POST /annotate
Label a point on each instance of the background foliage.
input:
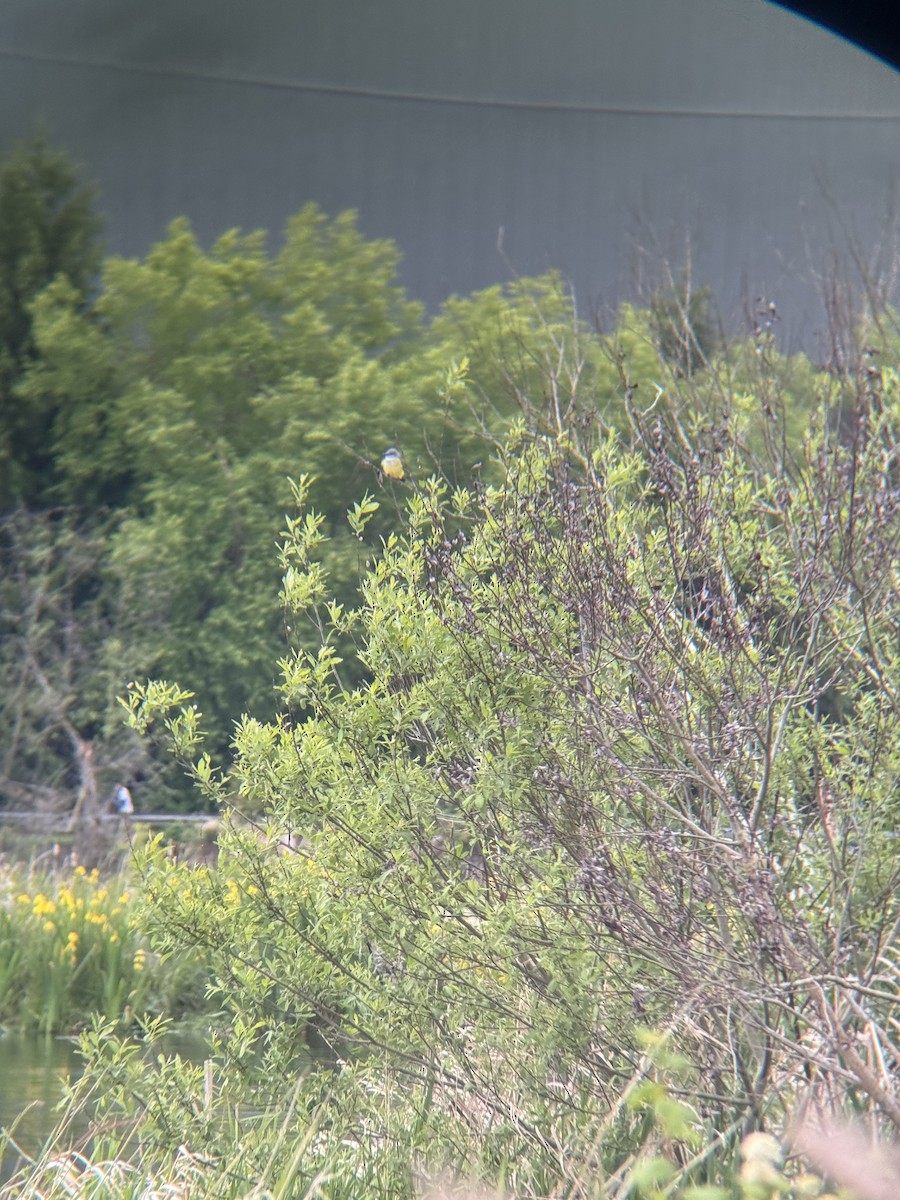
(157, 412)
(567, 831)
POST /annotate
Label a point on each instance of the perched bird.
(123, 802)
(392, 464)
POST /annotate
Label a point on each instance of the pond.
(33, 1071)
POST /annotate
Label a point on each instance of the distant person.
(123, 802)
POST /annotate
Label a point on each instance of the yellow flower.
(49, 927)
(79, 870)
(139, 959)
(23, 899)
(123, 899)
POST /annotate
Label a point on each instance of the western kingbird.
(392, 464)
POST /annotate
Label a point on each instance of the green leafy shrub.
(626, 760)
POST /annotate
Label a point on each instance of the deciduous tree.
(48, 229)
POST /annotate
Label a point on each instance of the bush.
(626, 760)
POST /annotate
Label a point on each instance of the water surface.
(33, 1072)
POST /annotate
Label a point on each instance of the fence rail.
(138, 818)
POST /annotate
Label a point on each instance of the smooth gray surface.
(585, 128)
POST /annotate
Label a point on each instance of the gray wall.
(587, 129)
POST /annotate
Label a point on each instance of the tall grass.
(302, 1164)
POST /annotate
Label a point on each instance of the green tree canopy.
(175, 406)
(199, 382)
(48, 229)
